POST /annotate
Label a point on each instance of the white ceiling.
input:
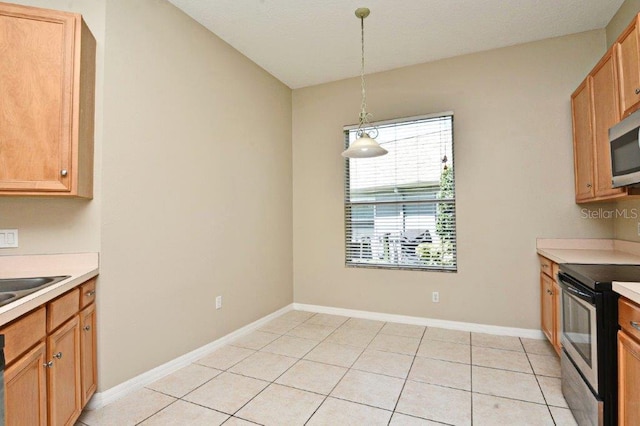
(307, 42)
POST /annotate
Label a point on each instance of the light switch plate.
(8, 238)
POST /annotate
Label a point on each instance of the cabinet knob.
(58, 355)
(589, 185)
(638, 91)
(63, 172)
(550, 292)
(48, 364)
(635, 325)
(90, 293)
(86, 328)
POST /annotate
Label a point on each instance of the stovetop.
(600, 277)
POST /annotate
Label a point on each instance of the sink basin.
(18, 284)
(6, 298)
(12, 289)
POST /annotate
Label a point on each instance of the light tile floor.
(316, 369)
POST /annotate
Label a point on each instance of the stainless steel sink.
(12, 289)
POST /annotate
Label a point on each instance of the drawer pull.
(545, 266)
(637, 91)
(635, 325)
(48, 364)
(91, 293)
(549, 292)
(58, 355)
(86, 328)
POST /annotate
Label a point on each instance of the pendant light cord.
(363, 113)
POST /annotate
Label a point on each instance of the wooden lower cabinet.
(550, 302)
(63, 374)
(88, 349)
(26, 389)
(546, 306)
(628, 363)
(50, 377)
(628, 380)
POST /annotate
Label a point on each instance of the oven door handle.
(580, 294)
(572, 286)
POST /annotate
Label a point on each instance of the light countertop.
(590, 256)
(80, 267)
(603, 251)
(577, 250)
(629, 290)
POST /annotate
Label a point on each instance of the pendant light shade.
(364, 146)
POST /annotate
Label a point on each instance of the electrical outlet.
(435, 297)
(8, 238)
(218, 302)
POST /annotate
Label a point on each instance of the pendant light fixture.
(365, 145)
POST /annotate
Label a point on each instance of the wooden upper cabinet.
(47, 82)
(606, 113)
(629, 68)
(583, 141)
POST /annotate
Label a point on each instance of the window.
(400, 208)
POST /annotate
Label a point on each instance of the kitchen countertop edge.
(80, 268)
(629, 290)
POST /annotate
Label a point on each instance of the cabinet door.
(557, 318)
(26, 390)
(546, 306)
(583, 141)
(628, 380)
(36, 74)
(63, 348)
(88, 352)
(47, 82)
(605, 114)
(629, 69)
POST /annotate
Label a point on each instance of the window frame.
(348, 205)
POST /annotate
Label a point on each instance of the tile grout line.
(162, 409)
(471, 373)
(345, 373)
(407, 378)
(544, 397)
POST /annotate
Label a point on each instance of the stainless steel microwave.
(625, 151)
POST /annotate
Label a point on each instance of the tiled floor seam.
(166, 406)
(395, 406)
(345, 373)
(471, 376)
(544, 397)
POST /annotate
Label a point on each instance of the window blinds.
(400, 208)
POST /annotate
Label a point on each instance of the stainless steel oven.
(579, 330)
(589, 360)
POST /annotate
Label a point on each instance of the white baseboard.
(100, 399)
(428, 322)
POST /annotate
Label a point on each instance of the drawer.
(546, 266)
(629, 317)
(63, 308)
(87, 293)
(22, 334)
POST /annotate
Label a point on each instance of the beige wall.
(49, 225)
(514, 180)
(621, 19)
(196, 190)
(193, 195)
